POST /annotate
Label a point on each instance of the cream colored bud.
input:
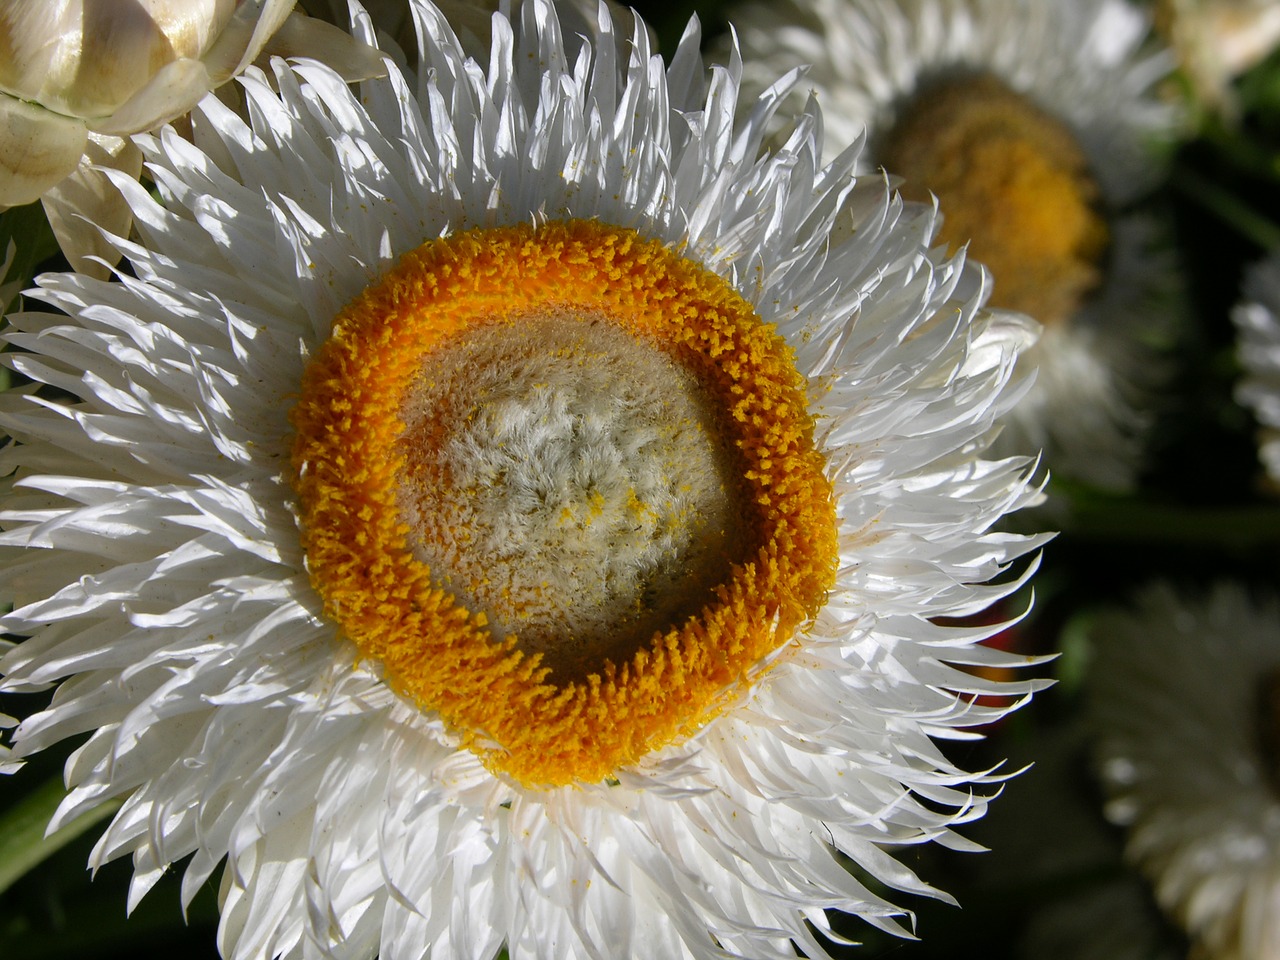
(77, 74)
(114, 67)
(1217, 40)
(86, 59)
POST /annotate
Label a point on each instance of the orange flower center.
(560, 483)
(1013, 183)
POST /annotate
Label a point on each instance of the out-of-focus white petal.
(1184, 710)
(86, 58)
(1217, 40)
(117, 68)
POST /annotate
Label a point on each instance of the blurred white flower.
(78, 77)
(1037, 126)
(1257, 320)
(1184, 711)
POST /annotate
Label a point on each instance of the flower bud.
(78, 77)
(1217, 40)
(111, 67)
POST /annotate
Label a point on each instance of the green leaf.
(1072, 665)
(23, 844)
(1099, 516)
(28, 228)
(1232, 209)
(1259, 90)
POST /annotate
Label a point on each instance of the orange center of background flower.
(561, 484)
(1013, 183)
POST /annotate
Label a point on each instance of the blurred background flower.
(1257, 318)
(1040, 130)
(1184, 714)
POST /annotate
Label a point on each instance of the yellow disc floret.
(1011, 181)
(561, 484)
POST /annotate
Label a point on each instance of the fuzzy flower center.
(571, 482)
(559, 485)
(1013, 182)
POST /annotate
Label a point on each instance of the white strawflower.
(1185, 712)
(1037, 126)
(511, 506)
(1257, 320)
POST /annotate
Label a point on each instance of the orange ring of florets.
(500, 701)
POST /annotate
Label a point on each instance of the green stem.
(1227, 207)
(29, 228)
(1136, 521)
(23, 844)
